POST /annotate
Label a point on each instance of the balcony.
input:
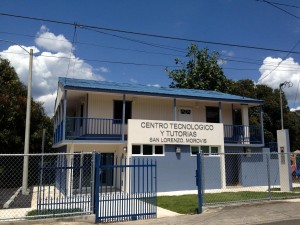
(81, 128)
(240, 134)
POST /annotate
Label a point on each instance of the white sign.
(175, 132)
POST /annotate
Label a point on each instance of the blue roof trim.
(95, 85)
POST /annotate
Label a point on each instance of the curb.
(12, 198)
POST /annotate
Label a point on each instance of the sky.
(62, 49)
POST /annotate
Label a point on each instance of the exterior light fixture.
(125, 149)
(178, 150)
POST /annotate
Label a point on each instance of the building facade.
(168, 124)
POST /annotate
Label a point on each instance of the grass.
(188, 204)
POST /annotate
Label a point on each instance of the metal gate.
(125, 188)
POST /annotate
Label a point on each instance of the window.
(136, 149)
(205, 150)
(118, 111)
(185, 111)
(158, 150)
(148, 150)
(194, 150)
(212, 115)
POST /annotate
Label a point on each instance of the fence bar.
(199, 183)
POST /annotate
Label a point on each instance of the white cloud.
(228, 53)
(103, 69)
(275, 71)
(133, 81)
(153, 85)
(47, 67)
(51, 42)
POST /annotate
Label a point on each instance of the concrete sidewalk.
(275, 212)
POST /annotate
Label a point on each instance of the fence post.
(199, 183)
(269, 176)
(96, 187)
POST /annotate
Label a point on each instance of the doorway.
(232, 166)
(107, 169)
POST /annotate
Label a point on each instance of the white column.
(70, 149)
(284, 160)
(222, 166)
(245, 121)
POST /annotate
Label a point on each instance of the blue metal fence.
(126, 188)
(64, 184)
(114, 189)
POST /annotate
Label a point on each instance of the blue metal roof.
(126, 88)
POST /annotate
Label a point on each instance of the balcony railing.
(82, 128)
(93, 128)
(240, 134)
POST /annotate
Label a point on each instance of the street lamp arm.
(3, 40)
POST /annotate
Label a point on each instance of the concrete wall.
(153, 108)
(252, 168)
(176, 172)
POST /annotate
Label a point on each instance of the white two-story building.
(171, 125)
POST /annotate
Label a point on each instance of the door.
(107, 169)
(232, 166)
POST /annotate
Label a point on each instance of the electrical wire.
(279, 63)
(102, 61)
(73, 39)
(102, 46)
(281, 9)
(148, 34)
(282, 4)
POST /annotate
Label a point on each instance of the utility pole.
(27, 128)
(283, 85)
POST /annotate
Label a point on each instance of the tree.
(13, 98)
(271, 111)
(202, 71)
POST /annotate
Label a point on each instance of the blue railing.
(240, 134)
(126, 188)
(93, 128)
(273, 149)
(64, 188)
(83, 128)
(58, 133)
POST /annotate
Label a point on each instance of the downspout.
(64, 116)
(220, 113)
(174, 110)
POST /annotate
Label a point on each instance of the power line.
(279, 62)
(282, 4)
(281, 9)
(142, 64)
(225, 57)
(102, 61)
(139, 41)
(149, 35)
(101, 46)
